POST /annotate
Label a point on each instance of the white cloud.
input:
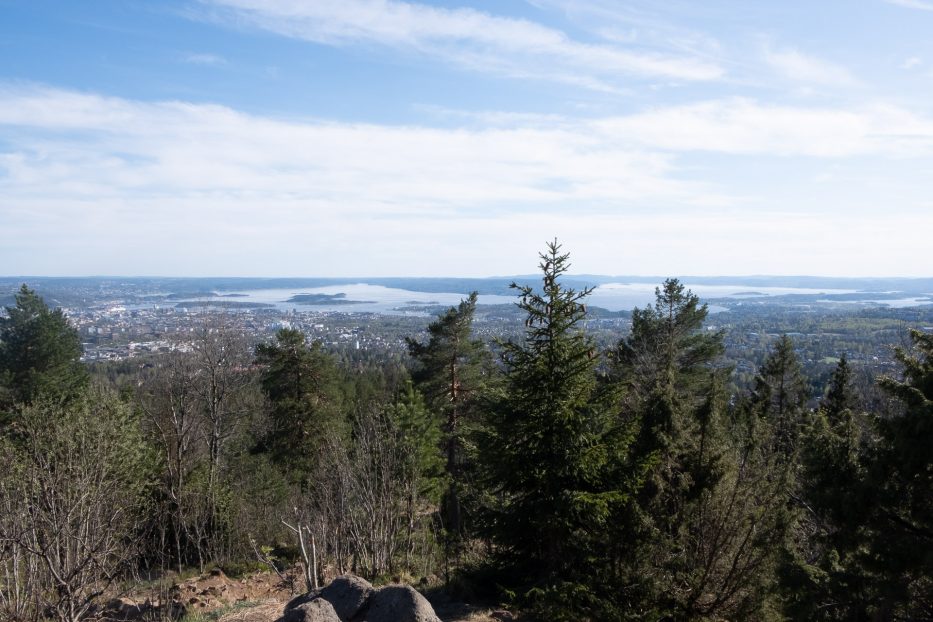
(910, 63)
(921, 5)
(799, 67)
(85, 144)
(467, 37)
(87, 181)
(744, 126)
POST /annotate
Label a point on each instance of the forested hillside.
(570, 482)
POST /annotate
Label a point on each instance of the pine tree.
(39, 353)
(451, 371)
(549, 452)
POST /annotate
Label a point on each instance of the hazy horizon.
(532, 275)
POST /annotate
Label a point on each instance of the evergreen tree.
(39, 353)
(299, 381)
(696, 543)
(781, 394)
(822, 580)
(900, 480)
(451, 371)
(667, 349)
(840, 396)
(664, 369)
(549, 454)
(422, 468)
(868, 488)
(420, 437)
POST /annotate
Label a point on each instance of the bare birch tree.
(81, 479)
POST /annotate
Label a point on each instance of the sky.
(389, 138)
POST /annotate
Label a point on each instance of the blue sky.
(368, 138)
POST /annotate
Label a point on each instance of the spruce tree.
(870, 486)
(664, 369)
(781, 395)
(900, 480)
(422, 467)
(840, 397)
(828, 582)
(39, 353)
(667, 348)
(549, 453)
(699, 538)
(299, 381)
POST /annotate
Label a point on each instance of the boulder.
(400, 603)
(300, 600)
(317, 610)
(349, 595)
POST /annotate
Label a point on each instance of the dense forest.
(573, 482)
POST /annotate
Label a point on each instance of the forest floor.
(259, 597)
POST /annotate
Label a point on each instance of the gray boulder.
(400, 603)
(349, 595)
(302, 599)
(317, 610)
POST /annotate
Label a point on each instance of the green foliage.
(262, 493)
(419, 437)
(698, 540)
(868, 485)
(299, 381)
(647, 485)
(667, 348)
(781, 394)
(549, 448)
(840, 396)
(39, 353)
(900, 477)
(452, 370)
(78, 500)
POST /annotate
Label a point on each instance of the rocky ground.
(260, 597)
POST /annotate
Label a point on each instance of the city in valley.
(140, 318)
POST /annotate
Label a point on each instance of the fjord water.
(368, 298)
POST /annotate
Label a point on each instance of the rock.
(400, 603)
(349, 595)
(300, 600)
(317, 610)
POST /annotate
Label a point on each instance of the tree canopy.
(40, 353)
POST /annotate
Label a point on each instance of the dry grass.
(266, 611)
(271, 610)
(476, 616)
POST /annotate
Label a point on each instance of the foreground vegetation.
(577, 483)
